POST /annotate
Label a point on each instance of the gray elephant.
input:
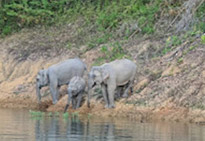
(111, 76)
(76, 89)
(57, 75)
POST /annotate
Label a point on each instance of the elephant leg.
(129, 87)
(54, 92)
(132, 84)
(126, 89)
(57, 93)
(119, 91)
(111, 91)
(57, 96)
(73, 102)
(79, 100)
(104, 92)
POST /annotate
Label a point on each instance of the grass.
(111, 52)
(65, 115)
(192, 48)
(171, 43)
(57, 114)
(89, 115)
(75, 117)
(75, 114)
(203, 39)
(43, 114)
(180, 60)
(36, 113)
(199, 105)
(50, 114)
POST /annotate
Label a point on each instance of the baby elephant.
(76, 88)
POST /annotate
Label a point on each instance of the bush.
(201, 17)
(17, 14)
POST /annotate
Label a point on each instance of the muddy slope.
(168, 86)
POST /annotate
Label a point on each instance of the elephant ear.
(46, 77)
(105, 74)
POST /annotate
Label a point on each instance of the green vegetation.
(75, 117)
(171, 43)
(203, 39)
(200, 13)
(65, 115)
(89, 115)
(43, 114)
(36, 113)
(199, 105)
(110, 53)
(56, 114)
(140, 102)
(75, 114)
(192, 48)
(106, 15)
(50, 114)
(180, 60)
(99, 40)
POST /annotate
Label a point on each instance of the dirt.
(168, 87)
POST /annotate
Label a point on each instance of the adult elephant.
(110, 76)
(57, 75)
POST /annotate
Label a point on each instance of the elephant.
(58, 75)
(112, 77)
(76, 89)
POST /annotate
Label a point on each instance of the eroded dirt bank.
(168, 86)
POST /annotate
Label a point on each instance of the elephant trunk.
(88, 102)
(69, 99)
(91, 84)
(38, 93)
(66, 107)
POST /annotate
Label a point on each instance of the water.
(19, 125)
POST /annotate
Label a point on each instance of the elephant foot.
(54, 102)
(117, 96)
(125, 95)
(106, 106)
(88, 105)
(112, 106)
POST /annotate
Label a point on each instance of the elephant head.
(73, 92)
(41, 81)
(97, 75)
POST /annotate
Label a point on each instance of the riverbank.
(122, 110)
(170, 83)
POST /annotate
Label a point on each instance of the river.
(21, 125)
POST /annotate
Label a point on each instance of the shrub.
(17, 14)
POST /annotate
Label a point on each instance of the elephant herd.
(114, 77)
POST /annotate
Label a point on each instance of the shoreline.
(136, 113)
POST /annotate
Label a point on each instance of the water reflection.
(54, 128)
(18, 125)
(111, 130)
